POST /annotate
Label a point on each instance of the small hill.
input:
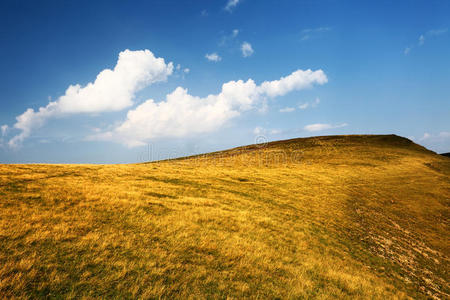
(360, 216)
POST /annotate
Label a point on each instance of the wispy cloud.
(423, 37)
(435, 32)
(421, 40)
(287, 109)
(264, 131)
(213, 57)
(226, 38)
(301, 106)
(439, 142)
(181, 71)
(4, 129)
(309, 104)
(246, 49)
(322, 126)
(440, 136)
(308, 33)
(231, 4)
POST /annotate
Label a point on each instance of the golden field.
(325, 217)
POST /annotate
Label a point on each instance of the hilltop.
(360, 216)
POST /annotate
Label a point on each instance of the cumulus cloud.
(182, 114)
(231, 4)
(297, 80)
(112, 90)
(213, 57)
(321, 126)
(186, 70)
(246, 49)
(287, 109)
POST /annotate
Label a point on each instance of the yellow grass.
(346, 217)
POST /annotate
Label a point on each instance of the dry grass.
(330, 217)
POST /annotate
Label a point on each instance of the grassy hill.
(323, 217)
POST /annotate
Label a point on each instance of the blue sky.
(376, 67)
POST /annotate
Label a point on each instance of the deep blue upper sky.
(387, 65)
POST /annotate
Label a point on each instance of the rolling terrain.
(363, 216)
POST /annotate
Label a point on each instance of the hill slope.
(338, 216)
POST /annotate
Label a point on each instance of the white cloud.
(263, 131)
(444, 134)
(426, 136)
(434, 32)
(4, 129)
(304, 105)
(226, 38)
(287, 109)
(423, 37)
(275, 131)
(435, 137)
(297, 80)
(178, 67)
(213, 57)
(421, 40)
(246, 49)
(259, 130)
(439, 142)
(320, 127)
(186, 70)
(182, 114)
(307, 33)
(231, 4)
(309, 104)
(112, 90)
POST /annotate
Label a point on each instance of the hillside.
(364, 216)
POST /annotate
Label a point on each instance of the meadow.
(364, 216)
